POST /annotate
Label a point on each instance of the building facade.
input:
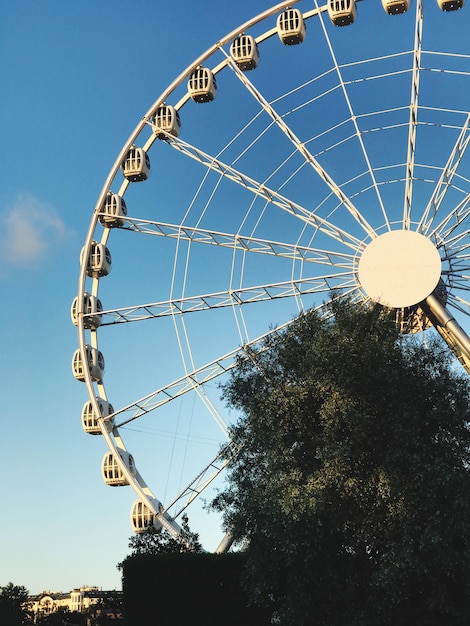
(78, 600)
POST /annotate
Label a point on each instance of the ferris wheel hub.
(399, 268)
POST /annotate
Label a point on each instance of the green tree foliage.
(62, 616)
(13, 605)
(108, 610)
(352, 486)
(157, 540)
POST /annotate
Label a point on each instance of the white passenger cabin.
(450, 5)
(142, 517)
(291, 27)
(202, 85)
(394, 7)
(90, 421)
(136, 165)
(112, 472)
(166, 119)
(342, 12)
(95, 362)
(113, 212)
(244, 51)
(99, 260)
(92, 309)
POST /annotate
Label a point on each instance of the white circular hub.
(400, 268)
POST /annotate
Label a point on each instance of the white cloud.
(29, 229)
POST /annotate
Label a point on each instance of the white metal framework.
(340, 164)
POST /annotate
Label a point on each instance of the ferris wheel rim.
(137, 482)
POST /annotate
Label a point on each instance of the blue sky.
(76, 78)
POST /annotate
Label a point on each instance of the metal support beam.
(449, 329)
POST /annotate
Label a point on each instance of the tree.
(61, 616)
(351, 486)
(107, 610)
(157, 540)
(13, 605)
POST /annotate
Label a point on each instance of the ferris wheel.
(315, 149)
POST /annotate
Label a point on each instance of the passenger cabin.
(394, 7)
(112, 472)
(142, 517)
(166, 119)
(136, 165)
(450, 5)
(342, 12)
(99, 260)
(92, 309)
(244, 52)
(113, 212)
(90, 421)
(202, 85)
(95, 363)
(291, 27)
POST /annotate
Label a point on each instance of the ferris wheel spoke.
(194, 489)
(446, 178)
(354, 120)
(229, 298)
(413, 119)
(243, 243)
(459, 257)
(261, 190)
(208, 372)
(460, 282)
(455, 240)
(458, 279)
(459, 303)
(303, 150)
(452, 222)
(186, 383)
